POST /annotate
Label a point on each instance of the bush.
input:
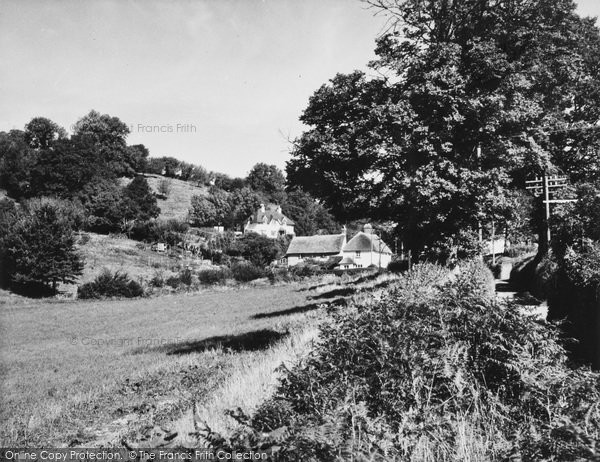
(109, 284)
(173, 282)
(280, 274)
(433, 370)
(475, 279)
(398, 266)
(214, 276)
(186, 277)
(246, 272)
(157, 280)
(305, 270)
(258, 250)
(170, 231)
(164, 187)
(574, 296)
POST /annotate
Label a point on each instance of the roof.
(319, 244)
(363, 242)
(346, 261)
(272, 212)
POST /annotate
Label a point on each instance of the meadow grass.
(69, 368)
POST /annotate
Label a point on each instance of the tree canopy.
(37, 246)
(268, 180)
(471, 97)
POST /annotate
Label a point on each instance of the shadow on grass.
(341, 301)
(30, 290)
(367, 278)
(316, 286)
(360, 280)
(248, 341)
(344, 291)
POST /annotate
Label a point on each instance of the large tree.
(63, 169)
(310, 217)
(37, 246)
(16, 161)
(109, 134)
(267, 180)
(210, 210)
(41, 133)
(473, 96)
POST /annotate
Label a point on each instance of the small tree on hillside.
(104, 205)
(37, 247)
(164, 187)
(142, 203)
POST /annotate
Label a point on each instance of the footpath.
(530, 305)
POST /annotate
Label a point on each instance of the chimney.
(262, 208)
(279, 209)
(368, 229)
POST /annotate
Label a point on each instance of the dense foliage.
(433, 369)
(470, 98)
(257, 249)
(37, 245)
(109, 284)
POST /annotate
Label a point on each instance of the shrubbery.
(574, 296)
(214, 276)
(108, 284)
(257, 249)
(433, 370)
(398, 266)
(246, 272)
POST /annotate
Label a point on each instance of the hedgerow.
(435, 369)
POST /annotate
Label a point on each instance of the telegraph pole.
(548, 186)
(547, 204)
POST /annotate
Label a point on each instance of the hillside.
(179, 199)
(126, 255)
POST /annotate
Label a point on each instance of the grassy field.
(89, 373)
(70, 369)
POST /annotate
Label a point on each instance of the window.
(358, 254)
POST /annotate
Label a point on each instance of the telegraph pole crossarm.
(546, 186)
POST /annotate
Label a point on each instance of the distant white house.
(318, 247)
(365, 249)
(270, 222)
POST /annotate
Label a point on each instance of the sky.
(218, 83)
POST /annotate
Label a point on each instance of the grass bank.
(432, 369)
